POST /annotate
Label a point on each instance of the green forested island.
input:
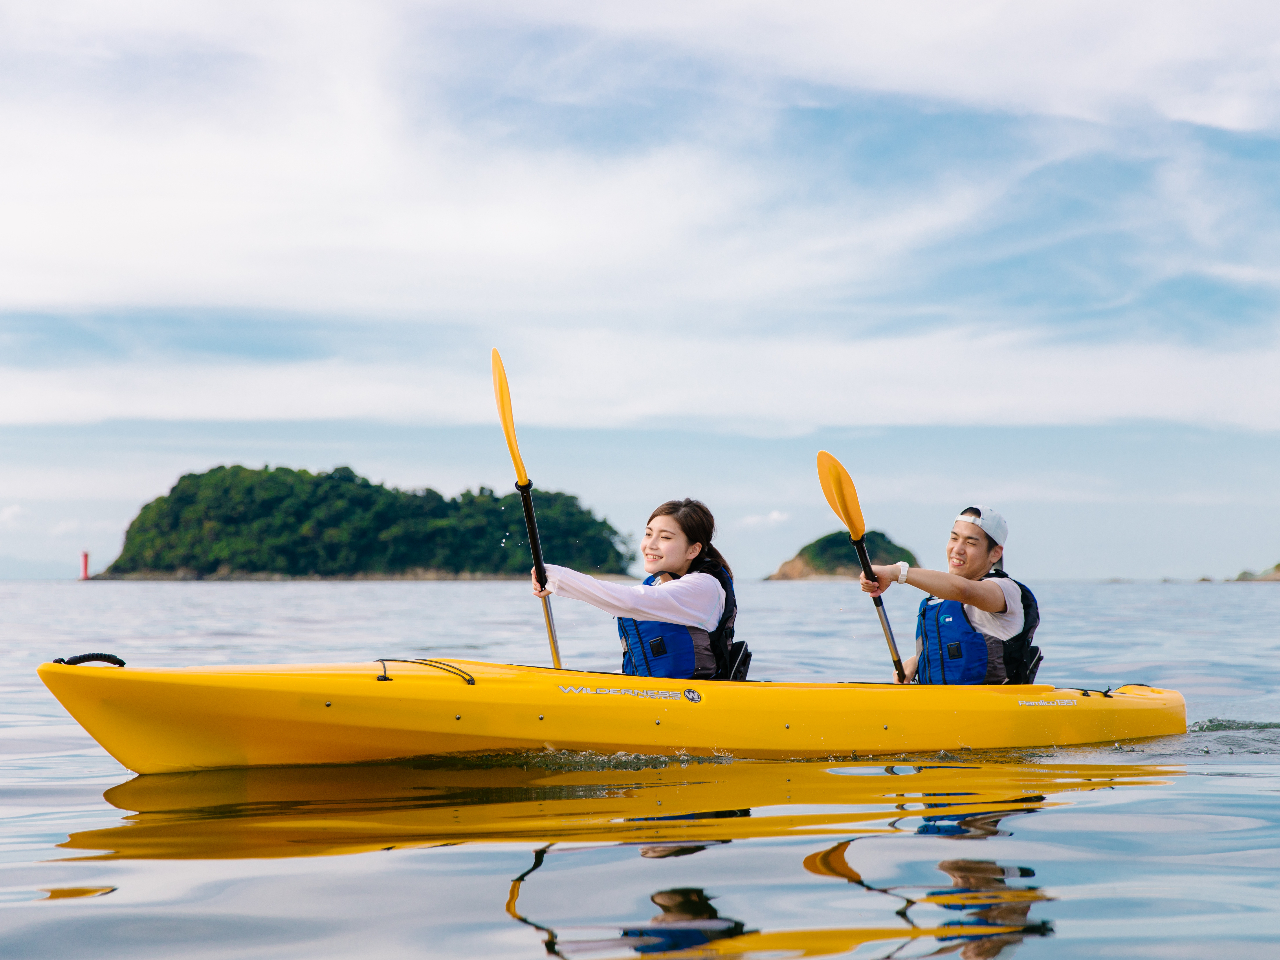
(834, 556)
(235, 521)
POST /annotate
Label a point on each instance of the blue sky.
(992, 253)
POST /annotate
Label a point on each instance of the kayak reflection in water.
(679, 622)
(976, 624)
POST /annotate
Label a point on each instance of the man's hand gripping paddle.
(525, 486)
(843, 498)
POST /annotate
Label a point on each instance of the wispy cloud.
(770, 519)
(1078, 58)
(550, 163)
(767, 384)
(285, 213)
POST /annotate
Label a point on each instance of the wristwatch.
(903, 567)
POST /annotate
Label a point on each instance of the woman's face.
(665, 548)
(967, 553)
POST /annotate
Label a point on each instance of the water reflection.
(995, 914)
(662, 811)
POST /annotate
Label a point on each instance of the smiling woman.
(679, 623)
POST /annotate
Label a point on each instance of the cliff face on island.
(234, 522)
(834, 556)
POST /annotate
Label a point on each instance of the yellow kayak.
(172, 720)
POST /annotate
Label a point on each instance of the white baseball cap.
(992, 523)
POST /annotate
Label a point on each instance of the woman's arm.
(983, 594)
(695, 600)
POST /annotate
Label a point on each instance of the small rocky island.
(1273, 574)
(234, 522)
(835, 556)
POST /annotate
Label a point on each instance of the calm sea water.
(1166, 848)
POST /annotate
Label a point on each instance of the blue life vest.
(951, 651)
(655, 648)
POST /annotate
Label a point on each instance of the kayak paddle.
(843, 498)
(525, 486)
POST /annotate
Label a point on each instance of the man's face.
(967, 554)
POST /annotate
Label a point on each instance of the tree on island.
(834, 555)
(234, 520)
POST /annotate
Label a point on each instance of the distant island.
(1272, 574)
(234, 522)
(835, 556)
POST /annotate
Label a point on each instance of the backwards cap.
(991, 523)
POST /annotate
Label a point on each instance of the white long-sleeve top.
(695, 600)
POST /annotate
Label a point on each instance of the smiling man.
(977, 624)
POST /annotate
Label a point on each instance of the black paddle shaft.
(865, 560)
(531, 524)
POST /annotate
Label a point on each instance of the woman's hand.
(537, 589)
(883, 577)
(909, 669)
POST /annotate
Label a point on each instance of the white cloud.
(297, 158)
(301, 158)
(764, 384)
(770, 519)
(9, 516)
(1213, 64)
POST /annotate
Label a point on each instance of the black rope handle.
(110, 658)
(438, 664)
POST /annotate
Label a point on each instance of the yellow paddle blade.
(502, 393)
(841, 493)
(832, 863)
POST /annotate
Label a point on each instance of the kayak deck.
(172, 720)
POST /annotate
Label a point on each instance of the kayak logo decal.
(693, 696)
(1047, 703)
(626, 692)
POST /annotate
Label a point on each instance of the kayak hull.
(173, 720)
